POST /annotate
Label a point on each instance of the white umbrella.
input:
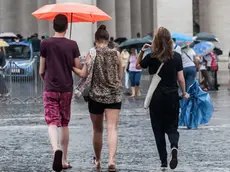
(8, 35)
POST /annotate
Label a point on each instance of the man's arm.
(77, 60)
(77, 63)
(42, 67)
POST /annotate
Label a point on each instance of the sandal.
(57, 163)
(96, 163)
(112, 168)
(67, 167)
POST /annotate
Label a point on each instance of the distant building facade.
(129, 18)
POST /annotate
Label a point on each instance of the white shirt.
(188, 62)
(177, 48)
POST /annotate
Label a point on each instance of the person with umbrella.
(203, 49)
(58, 56)
(134, 73)
(190, 64)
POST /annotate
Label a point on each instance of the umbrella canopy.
(203, 48)
(3, 44)
(204, 36)
(218, 51)
(182, 38)
(8, 35)
(75, 12)
(197, 110)
(148, 37)
(120, 40)
(135, 43)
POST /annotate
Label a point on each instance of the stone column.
(155, 21)
(123, 18)
(136, 17)
(43, 26)
(109, 8)
(8, 16)
(28, 23)
(217, 21)
(51, 30)
(83, 33)
(146, 18)
(175, 15)
(204, 15)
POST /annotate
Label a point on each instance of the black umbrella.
(204, 36)
(218, 51)
(134, 43)
(120, 40)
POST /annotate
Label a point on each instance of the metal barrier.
(20, 82)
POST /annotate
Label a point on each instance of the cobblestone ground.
(25, 147)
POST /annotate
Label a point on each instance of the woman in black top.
(164, 106)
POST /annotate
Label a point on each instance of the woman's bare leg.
(97, 121)
(112, 117)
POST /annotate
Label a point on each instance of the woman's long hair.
(162, 45)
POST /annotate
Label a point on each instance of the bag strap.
(93, 54)
(175, 46)
(159, 69)
(189, 57)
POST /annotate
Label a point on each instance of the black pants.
(164, 114)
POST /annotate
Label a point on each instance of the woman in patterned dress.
(104, 95)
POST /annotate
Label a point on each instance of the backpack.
(214, 65)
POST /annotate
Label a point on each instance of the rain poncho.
(197, 110)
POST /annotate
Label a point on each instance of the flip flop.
(97, 164)
(57, 163)
(112, 168)
(67, 167)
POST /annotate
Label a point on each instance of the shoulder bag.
(84, 84)
(154, 83)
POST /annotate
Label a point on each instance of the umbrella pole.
(71, 19)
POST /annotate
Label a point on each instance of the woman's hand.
(145, 47)
(186, 96)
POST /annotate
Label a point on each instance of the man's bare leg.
(64, 139)
(53, 134)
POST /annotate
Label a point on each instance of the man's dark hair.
(138, 34)
(60, 23)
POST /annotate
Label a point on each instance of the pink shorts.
(57, 107)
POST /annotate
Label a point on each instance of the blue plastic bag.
(197, 110)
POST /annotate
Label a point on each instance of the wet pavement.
(25, 146)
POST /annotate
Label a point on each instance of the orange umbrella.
(75, 12)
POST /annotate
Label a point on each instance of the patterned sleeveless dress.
(105, 87)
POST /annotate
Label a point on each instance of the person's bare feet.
(112, 168)
(97, 163)
(66, 165)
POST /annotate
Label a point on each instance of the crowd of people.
(101, 82)
(202, 68)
